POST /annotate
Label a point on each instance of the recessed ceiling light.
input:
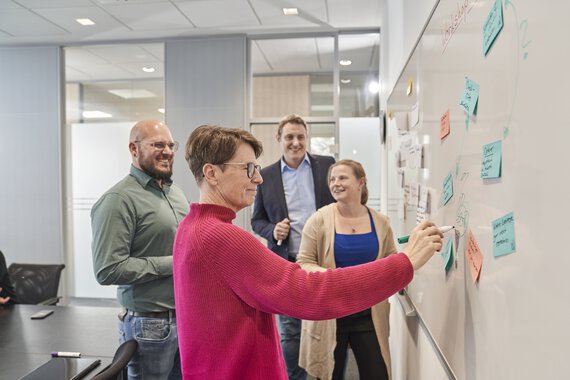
(148, 69)
(161, 110)
(85, 21)
(128, 93)
(345, 62)
(345, 81)
(290, 11)
(96, 115)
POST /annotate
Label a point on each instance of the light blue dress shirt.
(299, 190)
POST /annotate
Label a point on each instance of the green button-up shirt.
(134, 224)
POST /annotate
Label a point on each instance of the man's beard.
(158, 175)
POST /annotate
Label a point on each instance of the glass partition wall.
(330, 80)
(108, 89)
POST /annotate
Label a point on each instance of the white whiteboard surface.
(514, 322)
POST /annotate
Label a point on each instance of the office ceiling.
(112, 49)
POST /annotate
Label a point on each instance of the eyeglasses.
(161, 145)
(251, 167)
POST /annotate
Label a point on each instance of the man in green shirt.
(134, 224)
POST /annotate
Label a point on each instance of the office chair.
(36, 283)
(118, 367)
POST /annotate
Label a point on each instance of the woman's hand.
(424, 241)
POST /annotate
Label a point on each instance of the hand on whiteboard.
(426, 239)
(281, 231)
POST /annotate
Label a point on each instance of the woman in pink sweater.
(228, 285)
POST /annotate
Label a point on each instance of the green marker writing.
(443, 229)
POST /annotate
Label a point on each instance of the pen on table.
(442, 229)
(64, 354)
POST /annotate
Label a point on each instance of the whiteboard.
(513, 323)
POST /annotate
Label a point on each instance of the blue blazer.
(270, 206)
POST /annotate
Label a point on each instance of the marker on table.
(65, 354)
(442, 229)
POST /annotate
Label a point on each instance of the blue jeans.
(157, 356)
(290, 331)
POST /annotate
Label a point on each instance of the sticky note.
(504, 235)
(492, 159)
(444, 127)
(447, 188)
(447, 254)
(470, 97)
(423, 204)
(473, 256)
(493, 25)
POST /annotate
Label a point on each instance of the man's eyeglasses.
(161, 145)
(251, 167)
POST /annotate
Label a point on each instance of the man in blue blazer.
(293, 189)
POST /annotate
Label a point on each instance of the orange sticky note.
(444, 128)
(473, 256)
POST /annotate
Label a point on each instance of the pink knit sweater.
(228, 286)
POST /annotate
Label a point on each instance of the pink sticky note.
(444, 125)
(473, 256)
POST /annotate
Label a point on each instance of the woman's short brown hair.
(359, 173)
(214, 144)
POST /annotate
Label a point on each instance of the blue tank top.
(355, 249)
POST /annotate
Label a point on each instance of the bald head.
(152, 149)
(147, 128)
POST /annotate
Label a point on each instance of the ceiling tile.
(9, 5)
(54, 3)
(66, 18)
(293, 55)
(122, 53)
(347, 14)
(23, 23)
(216, 13)
(149, 16)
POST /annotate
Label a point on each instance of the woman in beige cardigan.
(343, 234)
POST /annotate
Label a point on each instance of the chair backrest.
(122, 357)
(35, 283)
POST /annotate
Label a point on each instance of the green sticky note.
(492, 159)
(504, 235)
(470, 97)
(447, 254)
(493, 25)
(447, 188)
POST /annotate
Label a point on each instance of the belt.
(153, 314)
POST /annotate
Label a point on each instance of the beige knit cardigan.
(316, 253)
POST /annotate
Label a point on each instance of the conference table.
(26, 344)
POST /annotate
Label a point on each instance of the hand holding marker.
(280, 241)
(443, 229)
